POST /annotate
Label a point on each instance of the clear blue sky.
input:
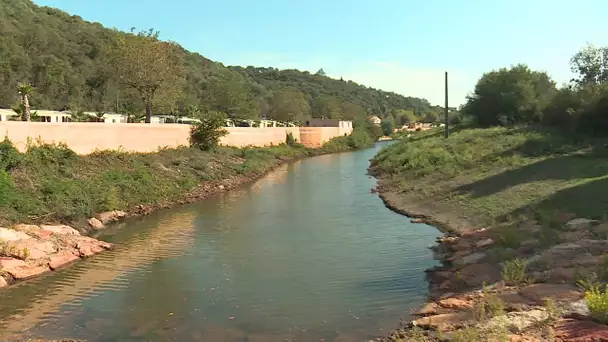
(397, 45)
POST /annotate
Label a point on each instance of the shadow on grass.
(585, 200)
(591, 163)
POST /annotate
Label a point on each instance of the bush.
(597, 301)
(9, 155)
(290, 140)
(388, 126)
(6, 187)
(206, 135)
(514, 272)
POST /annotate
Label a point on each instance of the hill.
(66, 59)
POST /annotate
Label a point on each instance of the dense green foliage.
(72, 64)
(206, 135)
(518, 95)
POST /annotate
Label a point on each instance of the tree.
(230, 94)
(353, 111)
(430, 117)
(146, 64)
(321, 72)
(388, 126)
(327, 107)
(404, 117)
(289, 105)
(591, 64)
(25, 90)
(510, 96)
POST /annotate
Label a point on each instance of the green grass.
(51, 183)
(490, 175)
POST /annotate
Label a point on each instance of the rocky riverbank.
(517, 281)
(30, 251)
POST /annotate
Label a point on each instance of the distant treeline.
(73, 64)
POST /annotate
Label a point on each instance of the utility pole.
(447, 130)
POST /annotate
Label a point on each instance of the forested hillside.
(69, 62)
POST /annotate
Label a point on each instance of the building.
(329, 123)
(375, 120)
(108, 117)
(6, 114)
(53, 116)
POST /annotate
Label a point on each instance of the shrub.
(514, 272)
(9, 155)
(58, 154)
(6, 187)
(597, 301)
(290, 140)
(206, 135)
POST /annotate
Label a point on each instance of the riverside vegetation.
(520, 190)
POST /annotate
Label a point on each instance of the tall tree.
(146, 64)
(591, 64)
(25, 90)
(510, 96)
(327, 107)
(289, 105)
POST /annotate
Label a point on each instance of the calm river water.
(304, 254)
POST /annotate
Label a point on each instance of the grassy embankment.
(50, 183)
(478, 177)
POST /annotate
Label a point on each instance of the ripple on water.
(305, 253)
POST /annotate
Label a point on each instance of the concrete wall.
(85, 137)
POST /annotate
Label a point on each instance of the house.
(329, 123)
(108, 117)
(53, 116)
(375, 120)
(189, 121)
(6, 114)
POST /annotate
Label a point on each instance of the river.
(306, 253)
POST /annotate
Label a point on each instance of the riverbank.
(525, 239)
(62, 197)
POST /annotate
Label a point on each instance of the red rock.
(25, 271)
(477, 274)
(456, 303)
(572, 330)
(428, 309)
(111, 216)
(461, 245)
(95, 223)
(61, 229)
(561, 292)
(3, 282)
(88, 249)
(35, 249)
(61, 259)
(563, 218)
(42, 234)
(6, 263)
(444, 322)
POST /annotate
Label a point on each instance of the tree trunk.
(148, 112)
(27, 116)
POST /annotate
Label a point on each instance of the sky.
(403, 46)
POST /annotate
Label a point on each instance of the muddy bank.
(512, 282)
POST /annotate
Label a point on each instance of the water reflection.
(310, 254)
